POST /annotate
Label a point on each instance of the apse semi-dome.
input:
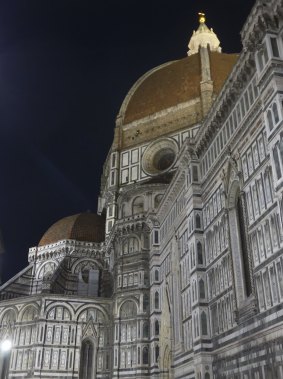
(88, 227)
(173, 83)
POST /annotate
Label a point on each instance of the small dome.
(88, 227)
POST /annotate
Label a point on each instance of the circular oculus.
(159, 156)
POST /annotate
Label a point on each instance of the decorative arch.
(9, 317)
(29, 313)
(128, 309)
(59, 312)
(96, 306)
(93, 313)
(85, 262)
(131, 244)
(47, 269)
(58, 304)
(88, 272)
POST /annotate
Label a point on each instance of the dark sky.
(65, 67)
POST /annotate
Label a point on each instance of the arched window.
(128, 309)
(156, 300)
(206, 376)
(156, 328)
(156, 353)
(203, 320)
(29, 314)
(267, 187)
(145, 303)
(125, 247)
(269, 120)
(87, 360)
(123, 210)
(133, 245)
(145, 329)
(138, 206)
(145, 355)
(193, 260)
(199, 253)
(244, 246)
(277, 162)
(156, 275)
(9, 318)
(275, 113)
(281, 149)
(201, 289)
(198, 223)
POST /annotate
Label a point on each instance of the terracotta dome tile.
(88, 227)
(175, 83)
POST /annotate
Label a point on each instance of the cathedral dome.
(174, 83)
(88, 227)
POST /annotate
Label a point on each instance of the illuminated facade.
(181, 274)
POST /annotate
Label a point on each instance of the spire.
(203, 37)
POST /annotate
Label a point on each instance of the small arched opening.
(145, 357)
(199, 253)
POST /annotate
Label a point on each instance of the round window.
(160, 156)
(163, 159)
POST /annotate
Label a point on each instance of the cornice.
(263, 16)
(63, 248)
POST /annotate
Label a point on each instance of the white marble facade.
(188, 282)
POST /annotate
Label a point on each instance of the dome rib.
(173, 83)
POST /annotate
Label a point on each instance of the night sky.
(65, 68)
